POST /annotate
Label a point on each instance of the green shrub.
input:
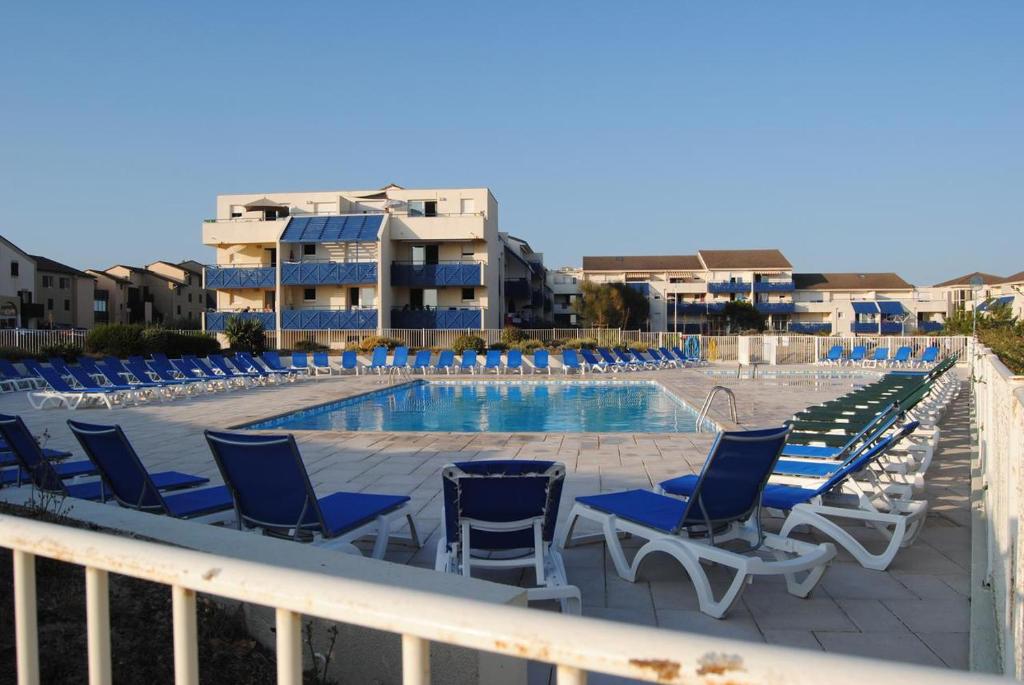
(498, 346)
(174, 344)
(367, 344)
(310, 346)
(1007, 345)
(578, 343)
(69, 352)
(245, 335)
(119, 340)
(16, 354)
(468, 342)
(631, 345)
(511, 335)
(530, 345)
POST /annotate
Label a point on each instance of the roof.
(99, 272)
(647, 263)
(987, 279)
(851, 281)
(329, 229)
(744, 259)
(47, 264)
(1015, 278)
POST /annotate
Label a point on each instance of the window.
(99, 305)
(14, 268)
(64, 283)
(236, 211)
(309, 249)
(468, 253)
(309, 294)
(353, 297)
(422, 207)
(468, 205)
(468, 294)
(179, 310)
(190, 298)
(67, 305)
(47, 281)
(49, 304)
(424, 254)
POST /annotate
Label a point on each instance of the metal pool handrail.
(706, 407)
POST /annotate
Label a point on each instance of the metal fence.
(1000, 417)
(573, 644)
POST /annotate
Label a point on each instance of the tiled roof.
(47, 264)
(851, 281)
(650, 263)
(744, 259)
(1015, 278)
(987, 279)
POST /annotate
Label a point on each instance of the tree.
(245, 334)
(743, 316)
(612, 305)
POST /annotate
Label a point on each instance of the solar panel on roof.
(331, 229)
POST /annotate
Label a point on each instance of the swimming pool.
(501, 407)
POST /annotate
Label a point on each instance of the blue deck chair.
(724, 506)
(207, 369)
(627, 360)
(271, 491)
(639, 357)
(17, 379)
(492, 361)
(272, 360)
(656, 357)
(571, 362)
(7, 458)
(399, 360)
(322, 363)
(421, 362)
(857, 354)
(220, 363)
(902, 357)
(591, 362)
(300, 363)
(59, 392)
(841, 496)
(19, 475)
(445, 361)
(929, 356)
(468, 361)
(683, 357)
(350, 361)
(45, 475)
(541, 361)
(669, 358)
(514, 361)
(131, 485)
(378, 360)
(502, 514)
(613, 362)
(834, 356)
(880, 356)
(246, 362)
(140, 371)
(187, 369)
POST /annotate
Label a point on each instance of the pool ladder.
(706, 407)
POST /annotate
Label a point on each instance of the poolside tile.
(892, 646)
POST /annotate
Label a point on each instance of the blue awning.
(358, 228)
(1004, 301)
(865, 307)
(891, 308)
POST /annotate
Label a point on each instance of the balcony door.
(424, 254)
(269, 300)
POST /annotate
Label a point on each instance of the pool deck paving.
(916, 611)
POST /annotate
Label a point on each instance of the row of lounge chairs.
(904, 357)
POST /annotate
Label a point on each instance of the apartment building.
(979, 290)
(161, 292)
(528, 299)
(358, 259)
(65, 294)
(564, 284)
(18, 308)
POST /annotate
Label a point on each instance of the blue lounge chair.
(639, 357)
(114, 378)
(929, 356)
(834, 356)
(627, 360)
(322, 363)
(857, 354)
(686, 359)
(47, 476)
(723, 506)
(272, 360)
(880, 356)
(421, 362)
(350, 361)
(840, 496)
(613, 363)
(541, 361)
(399, 360)
(300, 364)
(514, 361)
(445, 361)
(59, 392)
(7, 458)
(669, 358)
(246, 362)
(132, 486)
(902, 357)
(591, 362)
(141, 372)
(468, 361)
(571, 362)
(17, 380)
(378, 360)
(492, 361)
(502, 514)
(220, 363)
(190, 368)
(271, 491)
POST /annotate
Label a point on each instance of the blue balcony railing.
(929, 326)
(774, 286)
(436, 318)
(868, 327)
(775, 307)
(729, 287)
(692, 308)
(892, 328)
(328, 273)
(324, 319)
(223, 277)
(436, 275)
(216, 321)
(810, 328)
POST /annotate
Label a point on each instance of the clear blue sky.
(867, 136)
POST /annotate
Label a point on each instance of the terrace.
(916, 611)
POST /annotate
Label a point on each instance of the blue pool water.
(500, 406)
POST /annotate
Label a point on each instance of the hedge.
(124, 340)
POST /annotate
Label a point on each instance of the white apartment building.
(17, 287)
(564, 284)
(357, 259)
(980, 290)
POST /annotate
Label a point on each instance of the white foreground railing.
(574, 645)
(1000, 418)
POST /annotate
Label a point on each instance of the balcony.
(242, 231)
(810, 328)
(444, 274)
(517, 288)
(775, 307)
(216, 321)
(222, 277)
(436, 318)
(892, 328)
(696, 308)
(729, 287)
(314, 319)
(774, 286)
(929, 326)
(870, 328)
(329, 273)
